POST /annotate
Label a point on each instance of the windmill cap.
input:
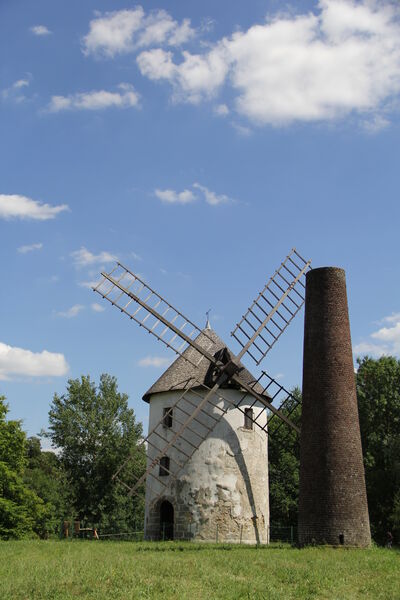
(182, 374)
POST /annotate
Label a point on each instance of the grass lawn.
(124, 570)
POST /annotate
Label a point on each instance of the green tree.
(284, 463)
(378, 392)
(22, 512)
(45, 475)
(96, 432)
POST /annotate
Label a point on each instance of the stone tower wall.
(332, 504)
(222, 492)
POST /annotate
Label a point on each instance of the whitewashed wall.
(223, 489)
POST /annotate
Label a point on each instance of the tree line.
(95, 431)
(378, 395)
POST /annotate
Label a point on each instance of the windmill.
(203, 402)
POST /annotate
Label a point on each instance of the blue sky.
(197, 143)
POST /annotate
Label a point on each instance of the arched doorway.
(166, 520)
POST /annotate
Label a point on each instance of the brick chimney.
(332, 500)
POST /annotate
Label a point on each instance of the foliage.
(22, 512)
(378, 392)
(45, 475)
(12, 440)
(96, 432)
(63, 570)
(284, 462)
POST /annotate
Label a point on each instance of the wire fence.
(130, 536)
(276, 533)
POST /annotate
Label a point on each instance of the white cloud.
(221, 110)
(40, 30)
(21, 83)
(83, 258)
(385, 340)
(173, 197)
(389, 335)
(15, 91)
(29, 248)
(123, 31)
(341, 59)
(187, 196)
(89, 284)
(154, 361)
(157, 64)
(375, 123)
(96, 100)
(19, 362)
(71, 312)
(370, 349)
(393, 318)
(136, 256)
(242, 129)
(97, 307)
(14, 206)
(211, 197)
(196, 78)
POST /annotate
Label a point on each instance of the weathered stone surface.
(222, 493)
(333, 500)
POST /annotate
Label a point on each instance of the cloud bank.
(126, 97)
(169, 196)
(19, 362)
(71, 312)
(124, 31)
(173, 197)
(29, 248)
(384, 341)
(14, 206)
(40, 30)
(154, 361)
(83, 257)
(343, 58)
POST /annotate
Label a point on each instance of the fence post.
(163, 532)
(241, 533)
(216, 534)
(291, 534)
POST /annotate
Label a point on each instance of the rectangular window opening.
(167, 417)
(164, 466)
(248, 418)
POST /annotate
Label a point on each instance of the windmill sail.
(185, 425)
(147, 308)
(213, 406)
(273, 309)
(201, 405)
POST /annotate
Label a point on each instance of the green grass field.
(124, 570)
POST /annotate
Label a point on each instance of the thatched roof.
(182, 373)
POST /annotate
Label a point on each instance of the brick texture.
(332, 502)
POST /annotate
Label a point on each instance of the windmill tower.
(222, 492)
(205, 473)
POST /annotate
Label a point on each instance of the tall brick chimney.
(332, 501)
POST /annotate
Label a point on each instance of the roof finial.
(208, 326)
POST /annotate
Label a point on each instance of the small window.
(164, 466)
(167, 417)
(248, 418)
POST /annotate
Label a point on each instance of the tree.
(22, 512)
(96, 432)
(378, 392)
(45, 475)
(284, 463)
